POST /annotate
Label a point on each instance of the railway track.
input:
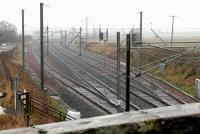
(165, 92)
(93, 83)
(54, 93)
(143, 99)
(154, 93)
(88, 77)
(93, 97)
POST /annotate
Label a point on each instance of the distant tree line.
(8, 32)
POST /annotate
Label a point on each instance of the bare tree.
(8, 32)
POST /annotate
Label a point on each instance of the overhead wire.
(165, 60)
(143, 72)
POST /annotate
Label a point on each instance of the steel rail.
(133, 68)
(89, 65)
(71, 80)
(110, 80)
(163, 59)
(169, 94)
(80, 93)
(105, 86)
(168, 60)
(143, 90)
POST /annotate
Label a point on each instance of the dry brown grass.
(99, 48)
(11, 121)
(38, 119)
(25, 81)
(12, 67)
(184, 74)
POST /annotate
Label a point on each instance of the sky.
(107, 13)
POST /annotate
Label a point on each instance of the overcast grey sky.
(108, 13)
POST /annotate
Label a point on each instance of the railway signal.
(100, 34)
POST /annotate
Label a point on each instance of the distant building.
(135, 38)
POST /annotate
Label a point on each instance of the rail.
(63, 78)
(166, 92)
(150, 94)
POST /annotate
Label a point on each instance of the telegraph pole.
(61, 37)
(86, 30)
(118, 73)
(99, 33)
(127, 72)
(141, 27)
(47, 40)
(52, 37)
(80, 41)
(172, 32)
(65, 38)
(41, 46)
(23, 57)
(138, 54)
(104, 55)
(107, 34)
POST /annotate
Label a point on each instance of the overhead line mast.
(172, 32)
(41, 47)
